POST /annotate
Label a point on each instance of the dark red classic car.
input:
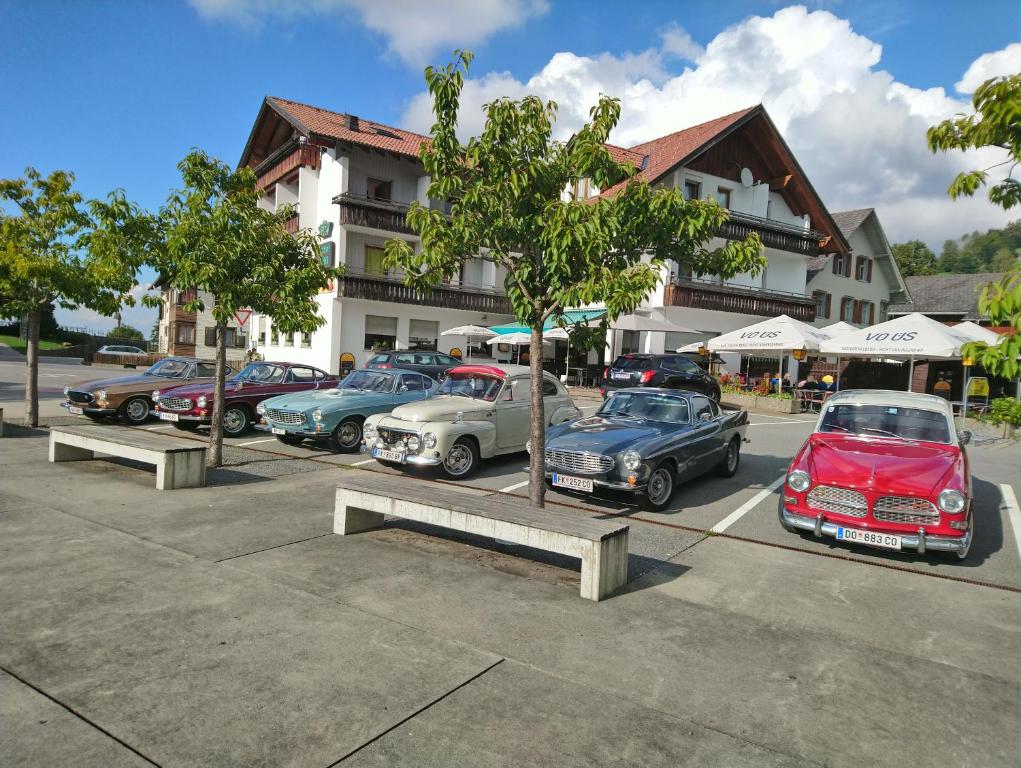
(883, 469)
(188, 407)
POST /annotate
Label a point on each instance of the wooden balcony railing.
(744, 301)
(291, 224)
(774, 234)
(290, 156)
(354, 285)
(374, 214)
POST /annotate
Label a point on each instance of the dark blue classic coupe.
(646, 441)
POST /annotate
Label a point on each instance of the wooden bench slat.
(406, 489)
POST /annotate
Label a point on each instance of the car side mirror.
(965, 436)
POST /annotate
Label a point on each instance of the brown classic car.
(130, 397)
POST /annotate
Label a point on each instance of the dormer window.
(377, 189)
(692, 190)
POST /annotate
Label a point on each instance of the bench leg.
(348, 518)
(65, 452)
(181, 470)
(604, 567)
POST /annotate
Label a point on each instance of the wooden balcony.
(368, 212)
(354, 285)
(774, 234)
(289, 157)
(745, 301)
(291, 224)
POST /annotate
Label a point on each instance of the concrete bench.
(364, 498)
(179, 463)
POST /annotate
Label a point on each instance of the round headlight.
(101, 394)
(260, 409)
(528, 447)
(369, 432)
(951, 501)
(429, 439)
(155, 395)
(201, 401)
(317, 415)
(632, 460)
(799, 480)
(414, 443)
(380, 443)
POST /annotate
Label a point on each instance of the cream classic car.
(479, 411)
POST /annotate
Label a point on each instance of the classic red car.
(188, 407)
(883, 469)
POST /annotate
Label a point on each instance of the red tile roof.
(334, 125)
(667, 151)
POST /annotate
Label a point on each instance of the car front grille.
(175, 404)
(394, 436)
(579, 461)
(78, 397)
(284, 417)
(905, 509)
(839, 500)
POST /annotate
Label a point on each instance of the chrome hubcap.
(138, 410)
(349, 434)
(660, 486)
(459, 460)
(233, 420)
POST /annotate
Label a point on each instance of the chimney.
(352, 122)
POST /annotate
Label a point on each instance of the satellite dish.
(746, 177)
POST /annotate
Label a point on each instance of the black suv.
(668, 371)
(432, 364)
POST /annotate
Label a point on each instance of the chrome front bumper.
(92, 410)
(610, 485)
(920, 541)
(414, 459)
(306, 433)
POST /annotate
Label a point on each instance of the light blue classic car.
(335, 415)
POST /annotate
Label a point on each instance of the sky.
(118, 91)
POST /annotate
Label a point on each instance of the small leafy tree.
(506, 189)
(45, 260)
(914, 258)
(217, 239)
(995, 124)
(126, 332)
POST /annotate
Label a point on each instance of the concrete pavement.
(228, 626)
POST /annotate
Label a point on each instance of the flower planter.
(750, 402)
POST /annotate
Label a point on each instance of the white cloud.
(1006, 61)
(676, 42)
(858, 133)
(413, 30)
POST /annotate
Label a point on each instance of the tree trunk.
(32, 368)
(216, 427)
(537, 461)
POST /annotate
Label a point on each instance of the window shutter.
(868, 276)
(847, 265)
(211, 337)
(836, 263)
(826, 309)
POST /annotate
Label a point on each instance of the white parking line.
(740, 512)
(264, 440)
(514, 487)
(1013, 512)
(361, 463)
(772, 423)
(161, 426)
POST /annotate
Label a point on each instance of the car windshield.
(169, 369)
(886, 421)
(474, 385)
(263, 373)
(646, 405)
(368, 381)
(629, 363)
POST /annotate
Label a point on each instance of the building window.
(422, 334)
(184, 333)
(692, 190)
(377, 189)
(629, 342)
(581, 189)
(374, 261)
(723, 196)
(306, 340)
(847, 309)
(231, 338)
(380, 332)
(183, 297)
(842, 264)
(274, 337)
(822, 303)
(262, 338)
(289, 340)
(862, 270)
(884, 311)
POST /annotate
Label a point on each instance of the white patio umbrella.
(469, 332)
(516, 339)
(976, 332)
(909, 336)
(836, 329)
(780, 334)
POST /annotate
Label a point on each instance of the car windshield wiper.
(885, 432)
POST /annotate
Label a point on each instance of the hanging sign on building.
(327, 253)
(347, 363)
(325, 228)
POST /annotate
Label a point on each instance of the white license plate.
(870, 538)
(574, 483)
(278, 431)
(385, 455)
(75, 410)
(164, 416)
(620, 375)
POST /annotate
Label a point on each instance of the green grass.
(19, 346)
